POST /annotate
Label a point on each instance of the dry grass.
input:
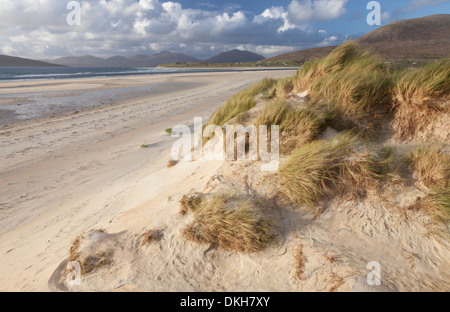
(190, 203)
(89, 263)
(152, 236)
(431, 165)
(92, 262)
(299, 262)
(240, 102)
(230, 222)
(340, 167)
(74, 248)
(317, 68)
(365, 170)
(284, 87)
(172, 163)
(420, 95)
(297, 126)
(303, 178)
(436, 204)
(351, 85)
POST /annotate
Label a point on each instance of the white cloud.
(276, 13)
(38, 28)
(304, 11)
(332, 40)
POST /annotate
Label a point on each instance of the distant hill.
(6, 60)
(235, 56)
(168, 57)
(425, 37)
(121, 61)
(304, 55)
(80, 61)
(418, 38)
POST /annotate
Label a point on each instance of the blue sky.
(351, 23)
(202, 28)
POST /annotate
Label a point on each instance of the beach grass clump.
(436, 204)
(364, 170)
(92, 262)
(431, 165)
(297, 125)
(353, 86)
(419, 96)
(284, 87)
(190, 203)
(240, 102)
(339, 167)
(314, 69)
(168, 131)
(230, 222)
(438, 200)
(89, 262)
(304, 177)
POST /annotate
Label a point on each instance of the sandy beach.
(74, 171)
(77, 180)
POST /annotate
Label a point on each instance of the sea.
(44, 73)
(18, 106)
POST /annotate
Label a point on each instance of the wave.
(21, 73)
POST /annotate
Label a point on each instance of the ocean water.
(17, 106)
(43, 73)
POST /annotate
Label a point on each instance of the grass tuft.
(340, 167)
(240, 102)
(351, 85)
(431, 165)
(284, 87)
(190, 203)
(230, 222)
(419, 96)
(298, 126)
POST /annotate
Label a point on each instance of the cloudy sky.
(202, 28)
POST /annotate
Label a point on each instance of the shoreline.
(190, 70)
